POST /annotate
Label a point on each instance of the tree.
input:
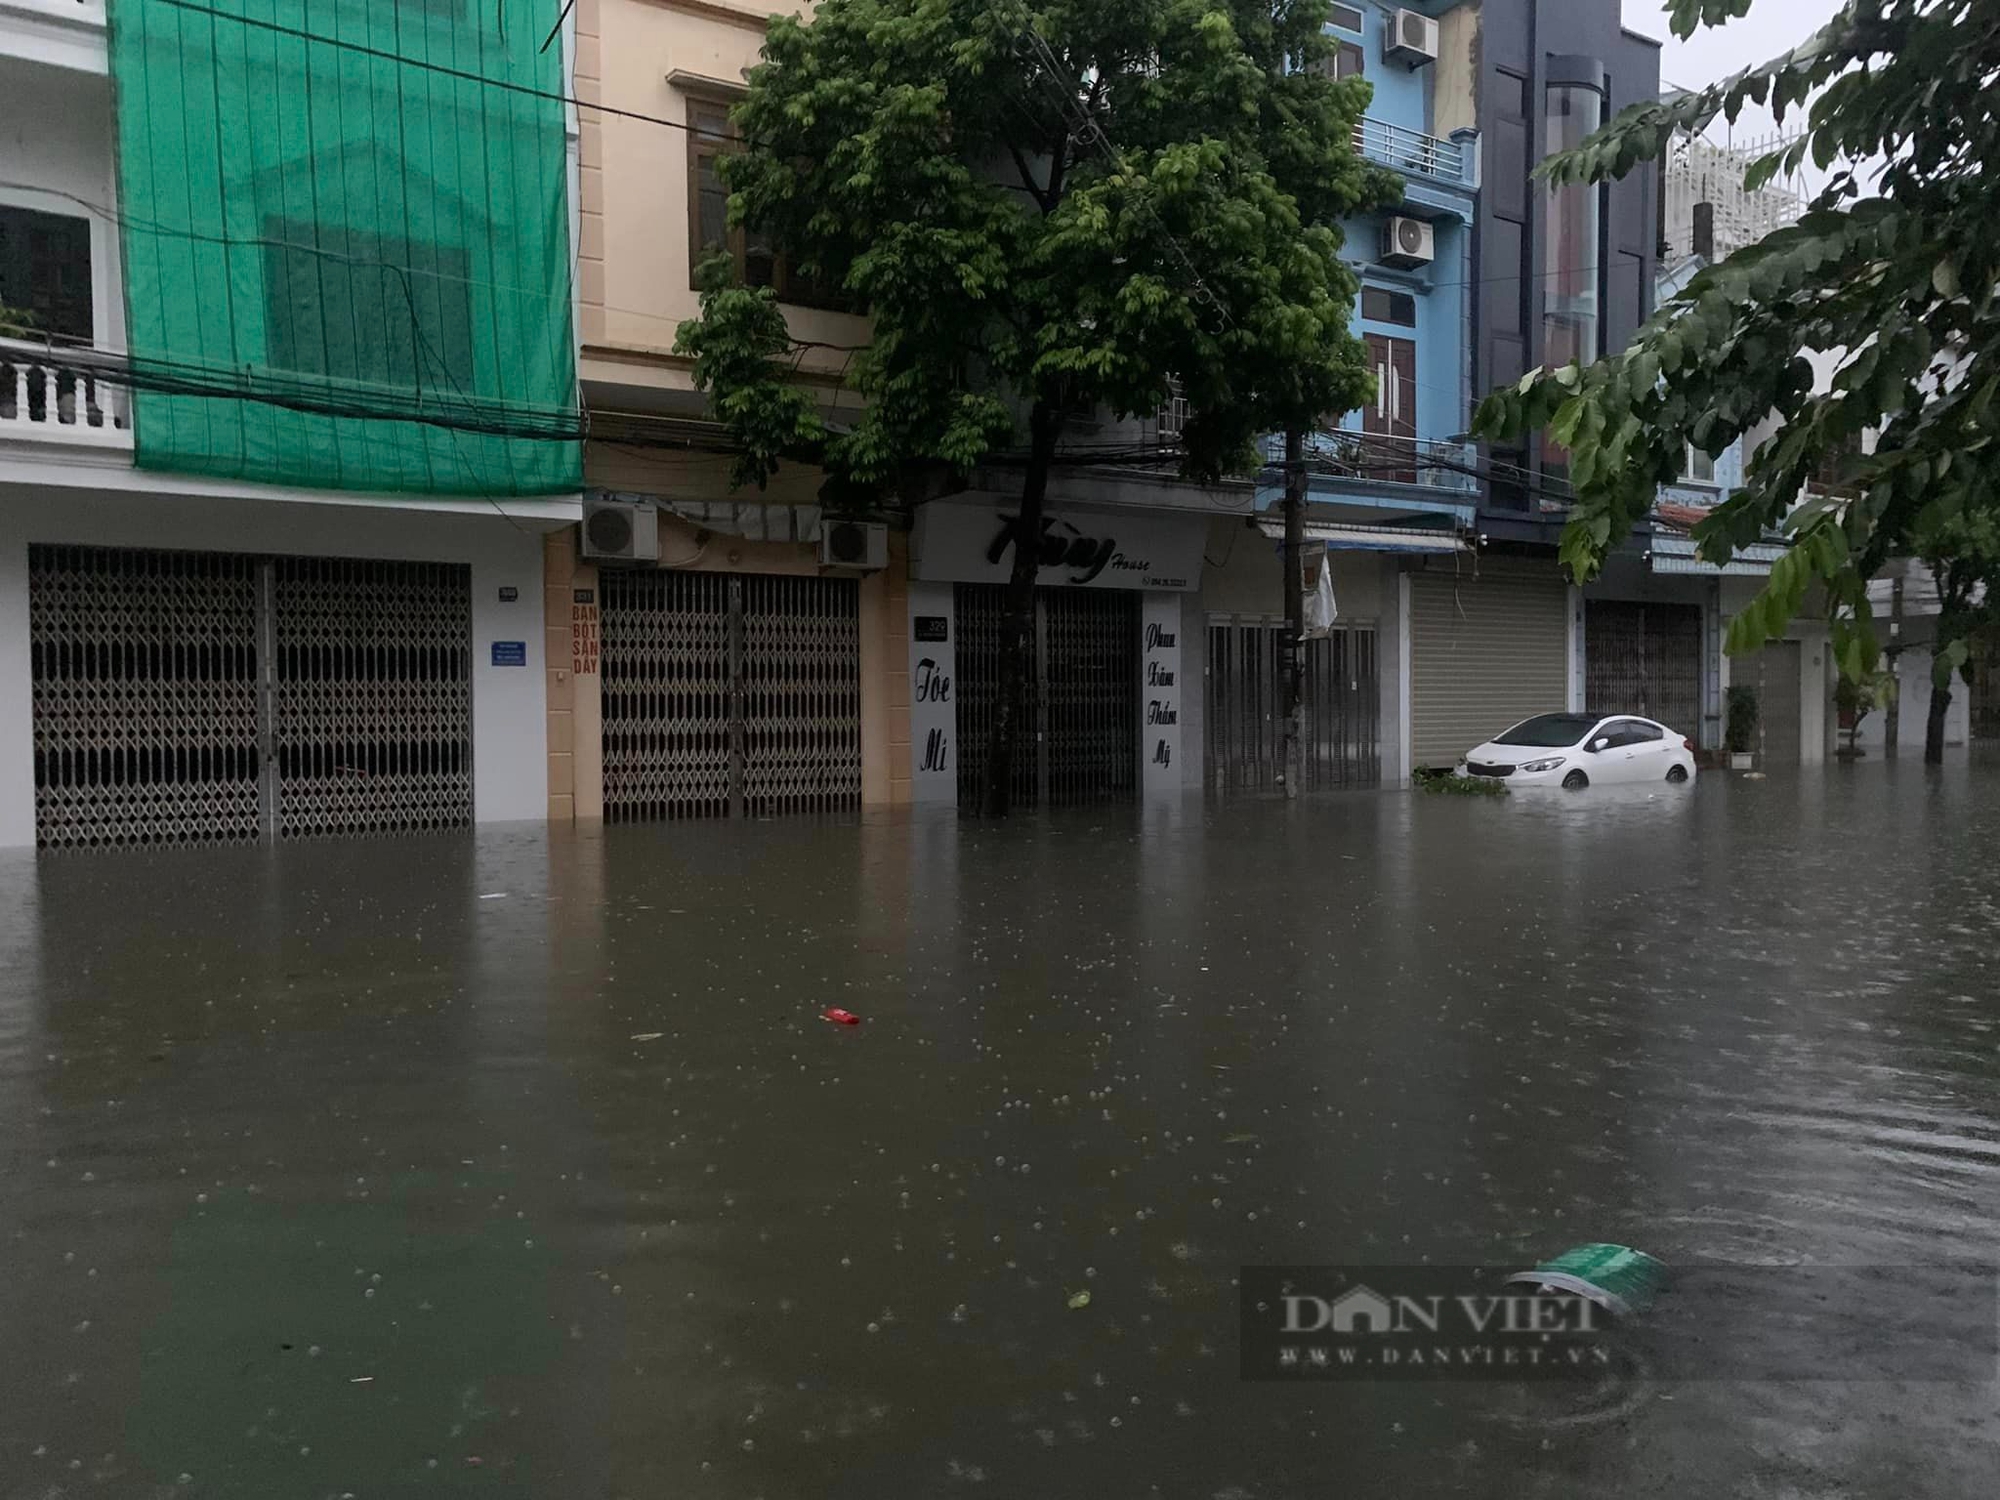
(1962, 551)
(1305, 132)
(1046, 211)
(1899, 290)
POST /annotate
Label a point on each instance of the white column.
(1160, 685)
(1405, 749)
(933, 699)
(1577, 646)
(17, 719)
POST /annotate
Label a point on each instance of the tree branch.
(1028, 177)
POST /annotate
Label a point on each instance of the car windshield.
(1548, 730)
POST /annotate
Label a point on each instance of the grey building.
(1556, 275)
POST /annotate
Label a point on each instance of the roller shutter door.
(1485, 652)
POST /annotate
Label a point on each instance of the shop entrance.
(1081, 710)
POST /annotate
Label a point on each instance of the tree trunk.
(1892, 725)
(1934, 725)
(1017, 629)
(1295, 612)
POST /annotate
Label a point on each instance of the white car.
(1579, 750)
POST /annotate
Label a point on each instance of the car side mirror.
(1599, 744)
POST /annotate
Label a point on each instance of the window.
(350, 305)
(1699, 468)
(1838, 465)
(1628, 732)
(1343, 18)
(45, 271)
(1548, 731)
(1571, 328)
(1379, 306)
(710, 137)
(1346, 61)
(1171, 418)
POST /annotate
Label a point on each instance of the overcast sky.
(1715, 52)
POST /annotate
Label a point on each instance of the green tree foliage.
(1047, 210)
(1961, 548)
(1892, 271)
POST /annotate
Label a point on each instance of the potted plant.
(1741, 725)
(1856, 699)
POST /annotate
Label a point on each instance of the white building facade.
(188, 659)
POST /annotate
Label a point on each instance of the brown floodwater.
(522, 1164)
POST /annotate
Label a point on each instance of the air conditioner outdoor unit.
(616, 531)
(1410, 39)
(1407, 243)
(854, 544)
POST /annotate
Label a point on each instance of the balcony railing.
(61, 396)
(75, 12)
(1411, 151)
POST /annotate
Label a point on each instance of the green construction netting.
(345, 266)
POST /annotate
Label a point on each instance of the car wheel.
(1677, 773)
(1576, 781)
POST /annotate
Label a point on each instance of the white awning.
(1343, 538)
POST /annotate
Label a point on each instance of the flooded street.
(525, 1165)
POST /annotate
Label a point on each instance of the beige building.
(724, 669)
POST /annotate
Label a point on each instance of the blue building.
(1392, 485)
(1402, 462)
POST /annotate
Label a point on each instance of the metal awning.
(1676, 554)
(1343, 538)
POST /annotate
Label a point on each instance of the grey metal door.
(1775, 674)
(188, 697)
(1245, 736)
(1644, 659)
(372, 713)
(1089, 642)
(800, 695)
(146, 696)
(1080, 710)
(727, 694)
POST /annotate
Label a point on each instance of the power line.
(428, 67)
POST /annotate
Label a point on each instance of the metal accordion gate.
(729, 694)
(192, 697)
(1643, 659)
(1244, 728)
(372, 722)
(1080, 695)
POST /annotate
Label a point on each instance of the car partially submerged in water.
(1574, 751)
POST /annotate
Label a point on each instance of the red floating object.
(840, 1017)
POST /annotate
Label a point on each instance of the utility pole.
(1292, 661)
(1892, 724)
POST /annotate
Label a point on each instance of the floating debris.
(1615, 1277)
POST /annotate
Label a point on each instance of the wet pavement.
(523, 1166)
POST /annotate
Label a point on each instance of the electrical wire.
(174, 377)
(461, 74)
